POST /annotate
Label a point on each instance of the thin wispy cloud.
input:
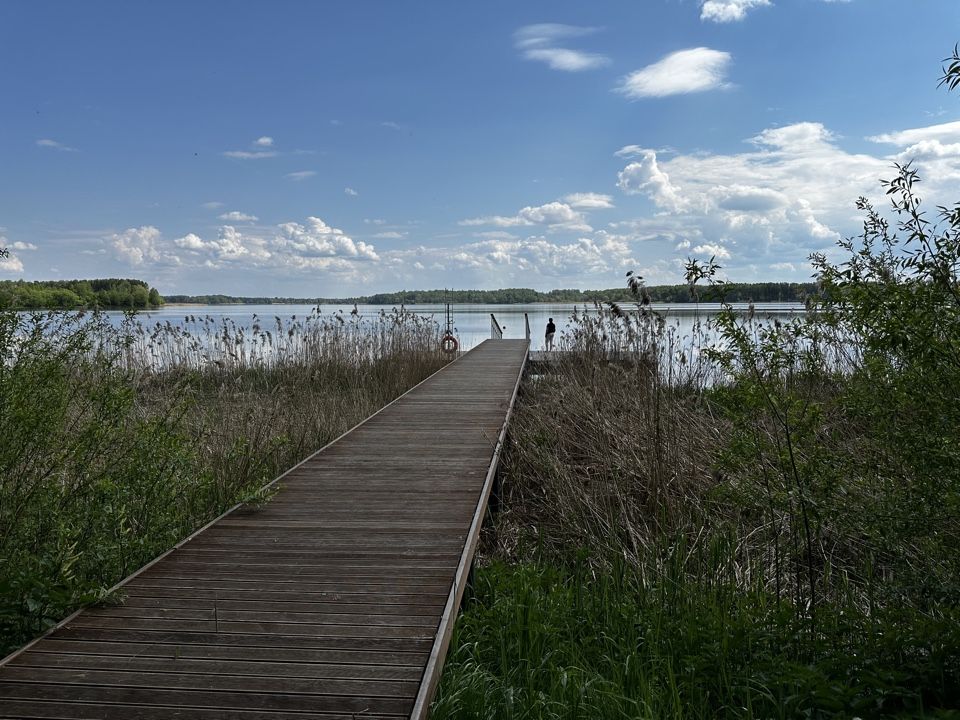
(589, 201)
(542, 34)
(945, 132)
(350, 191)
(554, 215)
(392, 125)
(260, 150)
(726, 11)
(300, 175)
(213, 205)
(237, 216)
(249, 154)
(541, 43)
(54, 145)
(685, 71)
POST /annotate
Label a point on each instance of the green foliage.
(951, 71)
(540, 641)
(71, 294)
(90, 486)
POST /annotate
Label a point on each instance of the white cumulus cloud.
(712, 249)
(644, 175)
(317, 239)
(724, 11)
(291, 246)
(138, 246)
(790, 193)
(265, 141)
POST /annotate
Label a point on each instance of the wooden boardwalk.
(333, 600)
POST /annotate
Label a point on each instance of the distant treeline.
(112, 293)
(734, 292)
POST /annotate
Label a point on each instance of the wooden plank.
(241, 640)
(334, 599)
(293, 604)
(361, 629)
(218, 666)
(57, 676)
(364, 594)
(310, 615)
(43, 709)
(121, 650)
(236, 700)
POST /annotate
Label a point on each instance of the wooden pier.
(335, 599)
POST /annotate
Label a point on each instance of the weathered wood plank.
(218, 666)
(52, 710)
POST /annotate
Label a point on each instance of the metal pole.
(496, 332)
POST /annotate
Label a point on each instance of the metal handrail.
(496, 332)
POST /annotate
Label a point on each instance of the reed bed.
(118, 440)
(736, 523)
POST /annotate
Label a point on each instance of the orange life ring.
(449, 344)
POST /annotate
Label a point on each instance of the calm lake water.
(471, 323)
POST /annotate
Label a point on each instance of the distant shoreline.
(734, 292)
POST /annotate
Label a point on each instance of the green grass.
(541, 641)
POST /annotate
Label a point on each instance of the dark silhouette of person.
(551, 331)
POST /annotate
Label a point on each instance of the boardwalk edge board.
(428, 687)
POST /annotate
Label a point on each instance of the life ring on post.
(449, 344)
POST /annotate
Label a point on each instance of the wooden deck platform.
(333, 600)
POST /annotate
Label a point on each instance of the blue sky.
(295, 148)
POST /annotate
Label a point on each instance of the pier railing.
(496, 332)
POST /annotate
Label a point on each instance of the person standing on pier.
(551, 331)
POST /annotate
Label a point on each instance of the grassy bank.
(761, 520)
(118, 441)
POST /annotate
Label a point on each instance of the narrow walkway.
(334, 600)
